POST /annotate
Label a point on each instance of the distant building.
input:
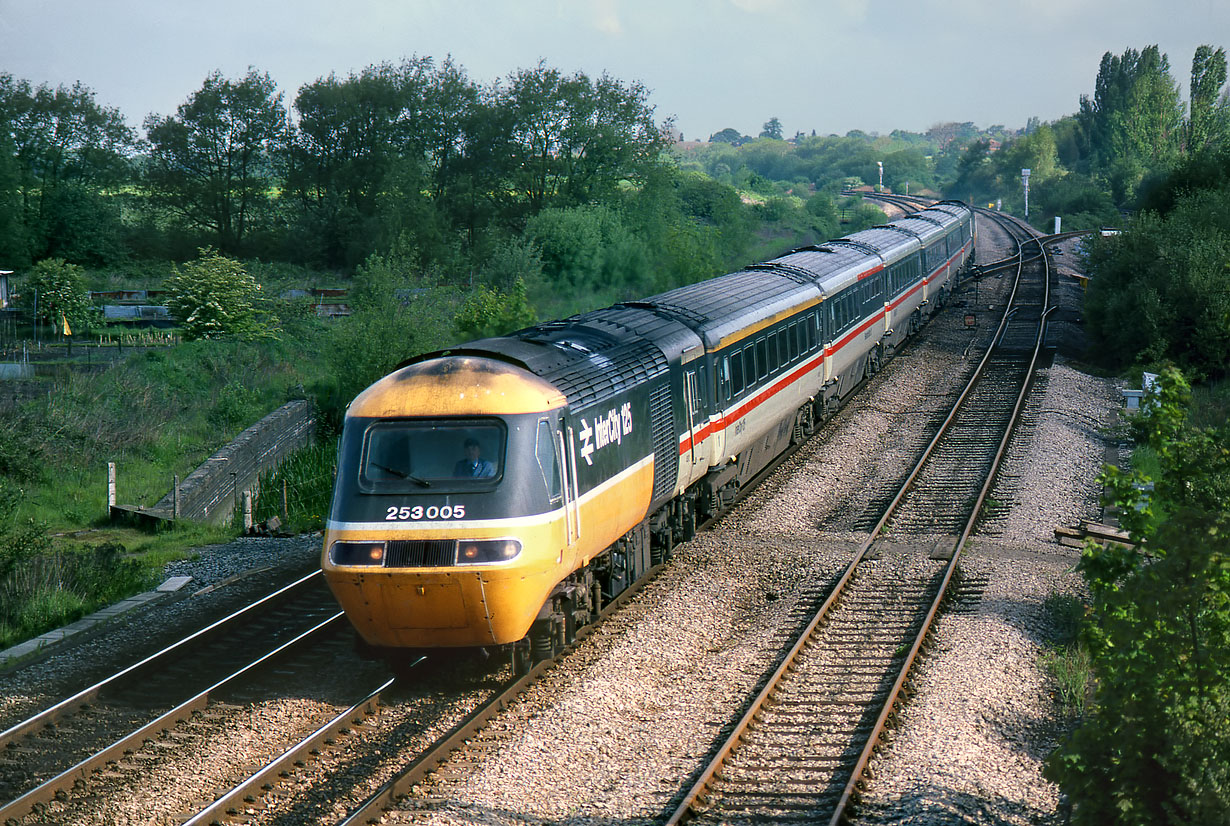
(138, 315)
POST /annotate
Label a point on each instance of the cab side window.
(544, 450)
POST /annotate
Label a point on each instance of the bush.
(1155, 748)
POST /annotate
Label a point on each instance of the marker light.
(356, 553)
(478, 551)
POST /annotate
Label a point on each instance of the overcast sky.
(827, 65)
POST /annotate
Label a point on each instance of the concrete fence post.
(175, 498)
(247, 511)
(110, 486)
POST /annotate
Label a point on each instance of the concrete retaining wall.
(209, 493)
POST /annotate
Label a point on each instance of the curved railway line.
(782, 757)
(800, 751)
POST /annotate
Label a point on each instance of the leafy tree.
(727, 135)
(952, 135)
(1156, 747)
(1169, 275)
(14, 250)
(490, 312)
(772, 129)
(908, 166)
(382, 152)
(1209, 122)
(1134, 120)
(976, 174)
(58, 290)
(574, 139)
(212, 162)
(589, 248)
(63, 138)
(215, 297)
(396, 312)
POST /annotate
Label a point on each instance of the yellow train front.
(458, 507)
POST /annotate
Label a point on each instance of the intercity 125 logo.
(608, 428)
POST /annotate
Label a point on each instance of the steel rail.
(892, 704)
(697, 792)
(87, 694)
(47, 790)
(431, 759)
(228, 802)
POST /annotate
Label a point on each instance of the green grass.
(1066, 660)
(46, 588)
(306, 477)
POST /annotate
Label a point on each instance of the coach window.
(724, 379)
(762, 359)
(749, 365)
(736, 372)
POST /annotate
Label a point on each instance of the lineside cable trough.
(210, 493)
(44, 644)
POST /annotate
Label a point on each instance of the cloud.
(606, 17)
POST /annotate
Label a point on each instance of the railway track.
(358, 717)
(100, 728)
(800, 751)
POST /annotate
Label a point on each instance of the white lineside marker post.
(175, 498)
(110, 486)
(247, 511)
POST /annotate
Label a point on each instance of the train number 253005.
(429, 512)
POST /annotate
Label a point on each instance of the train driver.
(473, 465)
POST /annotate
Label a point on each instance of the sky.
(826, 65)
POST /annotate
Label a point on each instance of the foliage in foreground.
(1155, 748)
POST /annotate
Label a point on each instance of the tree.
(396, 312)
(772, 129)
(1155, 747)
(1210, 111)
(62, 138)
(215, 297)
(727, 135)
(1134, 121)
(387, 151)
(489, 312)
(213, 161)
(58, 290)
(574, 139)
(1169, 275)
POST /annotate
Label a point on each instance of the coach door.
(694, 402)
(565, 439)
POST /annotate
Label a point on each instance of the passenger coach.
(501, 492)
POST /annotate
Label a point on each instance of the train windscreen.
(413, 456)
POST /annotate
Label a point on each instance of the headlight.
(476, 551)
(356, 553)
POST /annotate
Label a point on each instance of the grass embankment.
(157, 413)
